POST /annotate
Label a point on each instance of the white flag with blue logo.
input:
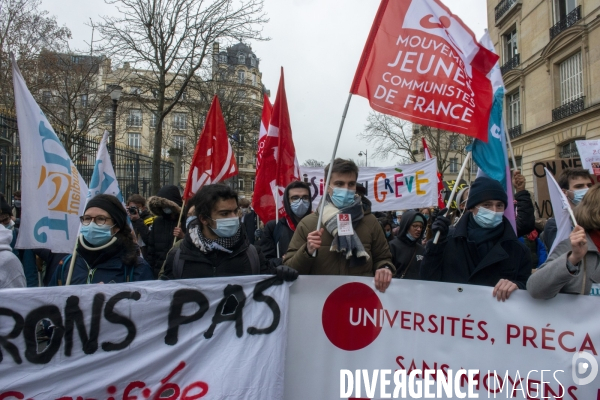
(104, 179)
(53, 191)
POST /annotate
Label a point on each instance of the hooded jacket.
(160, 234)
(215, 263)
(11, 270)
(454, 257)
(279, 233)
(329, 262)
(407, 254)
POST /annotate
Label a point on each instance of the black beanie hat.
(5, 207)
(484, 189)
(112, 206)
(171, 192)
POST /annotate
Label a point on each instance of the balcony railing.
(133, 122)
(503, 7)
(568, 109)
(511, 64)
(573, 153)
(566, 22)
(515, 131)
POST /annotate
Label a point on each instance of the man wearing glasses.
(277, 235)
(482, 249)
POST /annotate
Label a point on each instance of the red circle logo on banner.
(351, 316)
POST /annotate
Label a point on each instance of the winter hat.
(5, 207)
(112, 206)
(418, 218)
(170, 192)
(484, 189)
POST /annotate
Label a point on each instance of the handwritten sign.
(589, 151)
(543, 205)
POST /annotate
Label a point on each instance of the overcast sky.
(319, 43)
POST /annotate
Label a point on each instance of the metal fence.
(133, 170)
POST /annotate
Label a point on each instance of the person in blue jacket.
(539, 255)
(106, 251)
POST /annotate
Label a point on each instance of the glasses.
(417, 226)
(99, 220)
(296, 198)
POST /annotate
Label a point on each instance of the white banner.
(339, 325)
(53, 191)
(589, 151)
(221, 338)
(389, 188)
(104, 179)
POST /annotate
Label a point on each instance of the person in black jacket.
(482, 249)
(249, 220)
(407, 250)
(215, 244)
(166, 206)
(141, 220)
(277, 234)
(524, 211)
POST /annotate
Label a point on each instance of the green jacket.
(333, 263)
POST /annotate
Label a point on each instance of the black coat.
(525, 213)
(407, 254)
(250, 225)
(452, 259)
(160, 235)
(269, 240)
(214, 263)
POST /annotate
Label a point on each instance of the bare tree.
(393, 137)
(25, 30)
(311, 162)
(173, 40)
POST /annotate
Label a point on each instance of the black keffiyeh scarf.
(207, 245)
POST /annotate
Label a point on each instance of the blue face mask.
(226, 227)
(578, 195)
(426, 217)
(487, 218)
(96, 235)
(189, 220)
(387, 234)
(299, 207)
(342, 197)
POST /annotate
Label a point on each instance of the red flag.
(279, 166)
(264, 126)
(213, 159)
(421, 63)
(441, 203)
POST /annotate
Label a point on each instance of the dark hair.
(205, 199)
(385, 223)
(137, 199)
(572, 173)
(298, 185)
(244, 202)
(342, 166)
(587, 213)
(17, 193)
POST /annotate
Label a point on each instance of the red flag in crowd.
(441, 203)
(213, 159)
(421, 63)
(264, 126)
(279, 165)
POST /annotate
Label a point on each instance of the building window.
(223, 58)
(252, 185)
(179, 121)
(562, 8)
(254, 79)
(453, 142)
(108, 116)
(571, 79)
(179, 142)
(514, 109)
(569, 150)
(454, 165)
(135, 90)
(240, 160)
(240, 184)
(241, 58)
(519, 161)
(153, 119)
(510, 45)
(84, 100)
(134, 140)
(241, 94)
(46, 97)
(135, 118)
(221, 94)
(252, 61)
(241, 76)
(183, 94)
(76, 59)
(80, 123)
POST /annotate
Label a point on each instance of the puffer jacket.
(105, 265)
(407, 254)
(329, 262)
(160, 235)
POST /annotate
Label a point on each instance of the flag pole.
(277, 216)
(512, 153)
(460, 174)
(337, 141)
(179, 221)
(72, 264)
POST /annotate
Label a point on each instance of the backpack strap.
(177, 264)
(276, 239)
(61, 275)
(252, 254)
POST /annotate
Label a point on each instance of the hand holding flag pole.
(458, 178)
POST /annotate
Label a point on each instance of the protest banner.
(543, 205)
(388, 188)
(589, 151)
(341, 325)
(449, 187)
(206, 338)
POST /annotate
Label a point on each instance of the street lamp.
(115, 95)
(366, 157)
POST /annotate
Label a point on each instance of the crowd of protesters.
(218, 234)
